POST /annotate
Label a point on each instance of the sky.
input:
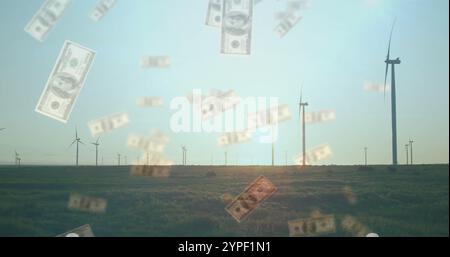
(332, 51)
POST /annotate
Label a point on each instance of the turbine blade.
(388, 57)
(81, 142)
(72, 143)
(385, 80)
(97, 140)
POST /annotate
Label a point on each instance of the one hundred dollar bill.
(234, 138)
(150, 171)
(46, 18)
(65, 82)
(315, 226)
(320, 117)
(237, 27)
(315, 155)
(87, 204)
(108, 124)
(214, 14)
(287, 23)
(101, 9)
(356, 228)
(83, 231)
(145, 143)
(375, 87)
(148, 62)
(268, 117)
(258, 191)
(150, 102)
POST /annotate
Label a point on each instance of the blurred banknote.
(350, 195)
(65, 82)
(150, 102)
(258, 191)
(315, 226)
(237, 27)
(287, 23)
(46, 18)
(150, 171)
(214, 14)
(354, 227)
(218, 102)
(315, 155)
(86, 203)
(234, 138)
(101, 9)
(109, 123)
(270, 116)
(375, 87)
(320, 117)
(145, 143)
(83, 231)
(155, 62)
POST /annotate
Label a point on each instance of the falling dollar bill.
(234, 138)
(65, 82)
(258, 191)
(214, 14)
(150, 171)
(350, 195)
(218, 102)
(101, 9)
(356, 228)
(87, 204)
(287, 23)
(46, 18)
(155, 62)
(268, 117)
(315, 155)
(83, 231)
(145, 143)
(375, 87)
(150, 102)
(320, 117)
(324, 224)
(237, 27)
(108, 124)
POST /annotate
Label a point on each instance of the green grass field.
(412, 201)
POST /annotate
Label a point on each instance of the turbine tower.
(407, 155)
(302, 113)
(184, 150)
(411, 151)
(78, 141)
(17, 158)
(226, 158)
(393, 97)
(118, 159)
(96, 151)
(365, 156)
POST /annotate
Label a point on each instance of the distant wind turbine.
(78, 141)
(303, 104)
(96, 150)
(411, 150)
(393, 97)
(16, 158)
(118, 159)
(365, 156)
(184, 149)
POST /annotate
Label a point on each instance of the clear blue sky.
(335, 48)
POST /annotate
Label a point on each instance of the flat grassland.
(411, 201)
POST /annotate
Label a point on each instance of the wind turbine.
(365, 156)
(118, 158)
(96, 150)
(303, 104)
(183, 148)
(393, 97)
(16, 159)
(411, 150)
(407, 155)
(77, 140)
